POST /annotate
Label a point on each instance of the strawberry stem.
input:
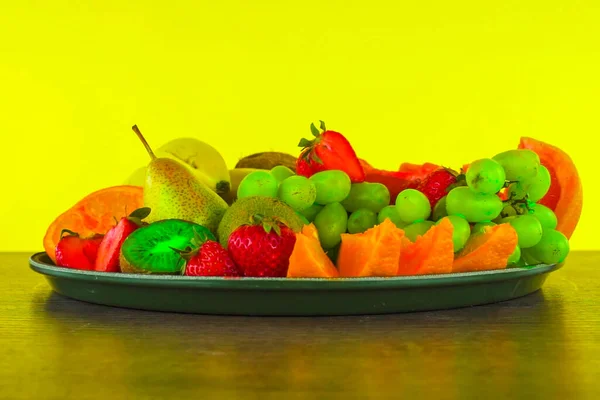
(186, 253)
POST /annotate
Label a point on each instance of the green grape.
(333, 186)
(412, 206)
(545, 215)
(518, 164)
(474, 207)
(461, 232)
(439, 210)
(413, 231)
(516, 191)
(505, 220)
(361, 220)
(552, 248)
(372, 196)
(281, 172)
(311, 212)
(515, 256)
(528, 259)
(331, 222)
(303, 218)
(538, 186)
(485, 176)
(480, 227)
(390, 212)
(519, 264)
(508, 211)
(258, 183)
(297, 192)
(528, 229)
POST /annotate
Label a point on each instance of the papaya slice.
(432, 253)
(308, 259)
(96, 213)
(488, 250)
(373, 253)
(565, 196)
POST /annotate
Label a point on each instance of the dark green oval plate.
(285, 296)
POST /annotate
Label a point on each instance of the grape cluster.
(526, 181)
(328, 199)
(336, 206)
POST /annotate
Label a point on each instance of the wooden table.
(543, 346)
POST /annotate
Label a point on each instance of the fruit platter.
(321, 232)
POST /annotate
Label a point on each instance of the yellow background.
(440, 81)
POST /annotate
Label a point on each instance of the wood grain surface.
(542, 346)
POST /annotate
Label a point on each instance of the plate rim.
(252, 283)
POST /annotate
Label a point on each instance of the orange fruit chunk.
(374, 252)
(488, 250)
(432, 253)
(95, 213)
(308, 259)
(565, 196)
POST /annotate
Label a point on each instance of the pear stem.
(144, 142)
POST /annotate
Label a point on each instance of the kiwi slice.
(150, 249)
(242, 210)
(267, 160)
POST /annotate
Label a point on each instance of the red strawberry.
(329, 150)
(210, 259)
(110, 248)
(262, 248)
(306, 166)
(408, 177)
(418, 169)
(73, 251)
(436, 185)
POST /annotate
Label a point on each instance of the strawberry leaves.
(304, 143)
(192, 251)
(322, 126)
(268, 223)
(308, 146)
(314, 130)
(138, 215)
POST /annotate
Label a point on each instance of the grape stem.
(508, 183)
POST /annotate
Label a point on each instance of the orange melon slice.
(565, 196)
(95, 213)
(488, 250)
(432, 253)
(308, 259)
(374, 252)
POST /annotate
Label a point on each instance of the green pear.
(199, 157)
(172, 191)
